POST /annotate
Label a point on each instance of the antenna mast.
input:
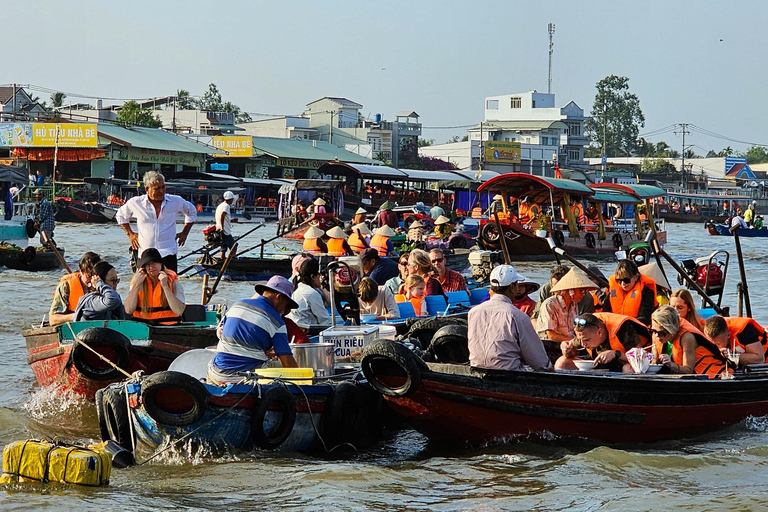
(551, 30)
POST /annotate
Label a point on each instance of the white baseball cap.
(229, 195)
(505, 275)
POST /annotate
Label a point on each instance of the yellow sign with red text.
(48, 135)
(235, 146)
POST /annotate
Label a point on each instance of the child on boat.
(413, 292)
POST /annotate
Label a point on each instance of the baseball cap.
(505, 275)
(278, 284)
(229, 195)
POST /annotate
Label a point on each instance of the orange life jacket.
(76, 290)
(596, 300)
(355, 243)
(336, 247)
(311, 246)
(528, 212)
(708, 359)
(736, 326)
(613, 323)
(477, 212)
(578, 214)
(416, 303)
(156, 309)
(628, 303)
(379, 242)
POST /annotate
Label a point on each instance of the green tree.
(240, 116)
(616, 117)
(184, 101)
(756, 155)
(132, 114)
(426, 142)
(658, 166)
(211, 100)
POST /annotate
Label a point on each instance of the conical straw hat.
(416, 224)
(313, 232)
(574, 279)
(362, 227)
(360, 210)
(319, 201)
(442, 220)
(385, 231)
(653, 271)
(336, 232)
(498, 197)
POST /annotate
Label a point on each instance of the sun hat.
(336, 232)
(229, 195)
(653, 271)
(442, 220)
(385, 231)
(416, 224)
(360, 210)
(530, 286)
(278, 284)
(505, 275)
(297, 261)
(498, 197)
(319, 201)
(313, 232)
(574, 280)
(150, 255)
(387, 205)
(362, 228)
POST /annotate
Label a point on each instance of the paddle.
(502, 241)
(55, 251)
(362, 239)
(742, 287)
(209, 293)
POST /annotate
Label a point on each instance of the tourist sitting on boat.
(738, 220)
(360, 216)
(522, 300)
(501, 337)
(416, 232)
(586, 305)
(378, 300)
(420, 264)
(155, 292)
(313, 241)
(412, 291)
(380, 269)
(682, 301)
(250, 329)
(382, 243)
(528, 212)
(759, 222)
(318, 205)
(436, 211)
(69, 290)
(606, 337)
(663, 289)
(443, 228)
(592, 217)
(631, 293)
(497, 205)
(555, 321)
(681, 347)
(387, 217)
(393, 284)
(360, 239)
(103, 303)
(449, 279)
(337, 242)
(309, 296)
(743, 337)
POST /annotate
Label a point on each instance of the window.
(515, 102)
(492, 104)
(574, 155)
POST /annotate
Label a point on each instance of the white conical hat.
(442, 220)
(574, 279)
(319, 201)
(360, 210)
(336, 232)
(498, 197)
(385, 231)
(362, 227)
(416, 224)
(653, 271)
(313, 232)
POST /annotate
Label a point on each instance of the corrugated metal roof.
(364, 171)
(524, 125)
(151, 138)
(305, 149)
(424, 175)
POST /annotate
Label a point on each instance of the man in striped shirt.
(252, 328)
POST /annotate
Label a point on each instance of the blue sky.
(439, 58)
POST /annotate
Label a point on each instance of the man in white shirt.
(223, 216)
(436, 211)
(155, 213)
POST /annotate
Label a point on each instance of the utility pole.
(551, 30)
(330, 128)
(684, 131)
(605, 154)
(482, 153)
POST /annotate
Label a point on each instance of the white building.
(287, 127)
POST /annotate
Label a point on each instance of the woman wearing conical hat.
(387, 217)
(416, 232)
(337, 242)
(319, 205)
(382, 243)
(360, 239)
(360, 215)
(558, 312)
(663, 289)
(313, 241)
(443, 228)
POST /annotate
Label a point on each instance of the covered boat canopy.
(430, 176)
(363, 171)
(708, 197)
(613, 196)
(289, 185)
(538, 188)
(307, 191)
(13, 174)
(637, 190)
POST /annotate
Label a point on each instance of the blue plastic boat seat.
(478, 295)
(705, 313)
(406, 310)
(436, 304)
(459, 297)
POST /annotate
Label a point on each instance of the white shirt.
(737, 220)
(225, 226)
(159, 233)
(311, 308)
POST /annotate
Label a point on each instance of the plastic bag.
(639, 359)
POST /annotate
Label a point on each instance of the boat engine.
(707, 272)
(482, 263)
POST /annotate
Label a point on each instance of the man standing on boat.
(223, 221)
(155, 213)
(44, 221)
(436, 211)
(501, 337)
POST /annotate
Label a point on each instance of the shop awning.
(362, 171)
(152, 138)
(64, 155)
(227, 127)
(13, 174)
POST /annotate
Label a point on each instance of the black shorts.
(229, 241)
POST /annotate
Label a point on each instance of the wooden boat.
(31, 259)
(306, 191)
(723, 230)
(458, 404)
(708, 207)
(73, 210)
(56, 359)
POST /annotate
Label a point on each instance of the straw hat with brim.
(313, 232)
(442, 220)
(336, 232)
(498, 197)
(385, 231)
(416, 224)
(319, 201)
(387, 205)
(574, 280)
(362, 228)
(360, 210)
(280, 285)
(530, 286)
(653, 271)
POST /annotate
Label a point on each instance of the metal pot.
(318, 356)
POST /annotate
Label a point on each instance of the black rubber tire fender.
(103, 430)
(174, 398)
(101, 338)
(89, 207)
(457, 242)
(558, 237)
(590, 240)
(276, 396)
(407, 221)
(396, 360)
(29, 255)
(352, 414)
(115, 411)
(618, 241)
(485, 233)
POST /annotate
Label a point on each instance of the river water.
(720, 471)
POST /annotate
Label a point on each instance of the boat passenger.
(387, 217)
(681, 347)
(558, 312)
(631, 293)
(381, 241)
(528, 211)
(413, 291)
(586, 305)
(360, 215)
(759, 222)
(337, 242)
(682, 301)
(224, 221)
(420, 264)
(155, 291)
(394, 283)
(501, 337)
(45, 222)
(497, 205)
(103, 303)
(436, 211)
(577, 209)
(606, 337)
(749, 215)
(744, 337)
(416, 232)
(319, 205)
(378, 300)
(522, 300)
(592, 217)
(308, 296)
(69, 290)
(297, 261)
(598, 296)
(250, 329)
(449, 279)
(313, 242)
(663, 289)
(377, 268)
(360, 239)
(443, 228)
(738, 220)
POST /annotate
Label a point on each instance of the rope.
(110, 363)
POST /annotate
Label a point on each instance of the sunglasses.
(438, 260)
(581, 322)
(404, 263)
(661, 333)
(624, 280)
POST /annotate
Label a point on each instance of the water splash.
(759, 424)
(52, 402)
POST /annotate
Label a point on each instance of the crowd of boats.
(359, 378)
